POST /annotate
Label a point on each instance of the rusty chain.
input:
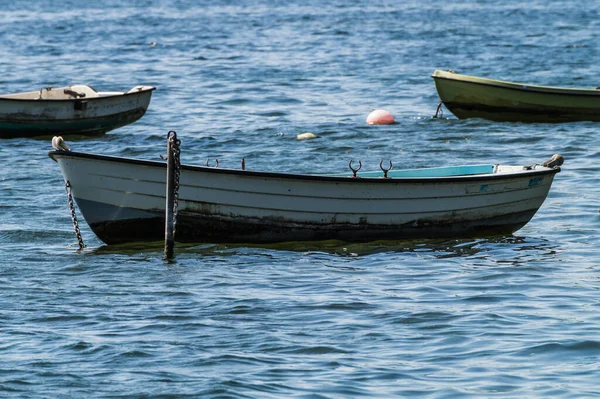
(175, 148)
(73, 215)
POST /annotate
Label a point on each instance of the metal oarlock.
(354, 170)
(385, 171)
(216, 163)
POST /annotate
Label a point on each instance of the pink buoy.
(380, 117)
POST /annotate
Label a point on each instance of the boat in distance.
(76, 109)
(123, 200)
(476, 97)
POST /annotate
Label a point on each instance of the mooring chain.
(176, 149)
(439, 112)
(73, 215)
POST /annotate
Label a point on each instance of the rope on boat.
(73, 215)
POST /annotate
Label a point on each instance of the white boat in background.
(123, 200)
(76, 109)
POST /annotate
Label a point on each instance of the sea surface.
(514, 316)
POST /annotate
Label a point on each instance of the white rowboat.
(123, 200)
(76, 109)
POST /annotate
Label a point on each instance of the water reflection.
(520, 249)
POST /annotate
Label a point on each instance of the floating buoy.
(305, 136)
(380, 117)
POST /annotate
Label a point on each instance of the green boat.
(497, 100)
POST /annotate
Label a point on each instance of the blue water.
(505, 317)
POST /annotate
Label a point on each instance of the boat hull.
(474, 97)
(85, 116)
(194, 227)
(123, 200)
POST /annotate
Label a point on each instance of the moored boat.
(123, 200)
(475, 97)
(76, 109)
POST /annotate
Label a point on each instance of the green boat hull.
(473, 97)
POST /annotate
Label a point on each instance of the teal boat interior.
(432, 172)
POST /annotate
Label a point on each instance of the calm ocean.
(499, 317)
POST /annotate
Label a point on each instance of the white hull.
(124, 200)
(50, 112)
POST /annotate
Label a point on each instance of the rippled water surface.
(506, 316)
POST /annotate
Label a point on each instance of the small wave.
(581, 348)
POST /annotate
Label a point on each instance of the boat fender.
(59, 144)
(554, 162)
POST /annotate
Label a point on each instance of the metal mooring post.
(170, 203)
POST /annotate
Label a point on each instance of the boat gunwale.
(522, 87)
(60, 100)
(311, 177)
